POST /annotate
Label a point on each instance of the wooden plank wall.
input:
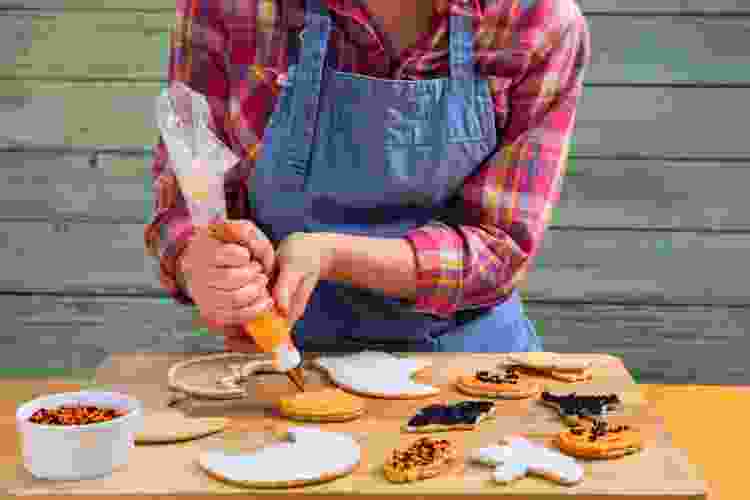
(646, 257)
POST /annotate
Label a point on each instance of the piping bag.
(200, 162)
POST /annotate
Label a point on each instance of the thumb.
(302, 297)
(285, 288)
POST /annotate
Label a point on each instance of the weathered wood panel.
(650, 121)
(662, 6)
(681, 345)
(588, 6)
(642, 267)
(669, 49)
(596, 193)
(646, 194)
(54, 185)
(659, 344)
(660, 49)
(45, 42)
(631, 266)
(47, 332)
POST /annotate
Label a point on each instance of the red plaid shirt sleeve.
(505, 206)
(198, 44)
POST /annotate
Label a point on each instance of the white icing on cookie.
(308, 455)
(519, 457)
(376, 373)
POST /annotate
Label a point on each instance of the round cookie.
(600, 441)
(173, 427)
(326, 405)
(509, 385)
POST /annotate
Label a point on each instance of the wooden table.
(708, 452)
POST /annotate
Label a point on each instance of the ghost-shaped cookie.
(377, 374)
(518, 456)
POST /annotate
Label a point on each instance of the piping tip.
(296, 375)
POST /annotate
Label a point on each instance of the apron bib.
(352, 154)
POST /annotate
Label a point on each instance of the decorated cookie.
(517, 457)
(600, 441)
(218, 376)
(326, 405)
(376, 374)
(309, 456)
(465, 415)
(425, 458)
(573, 406)
(507, 385)
(551, 364)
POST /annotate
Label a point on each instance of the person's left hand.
(301, 259)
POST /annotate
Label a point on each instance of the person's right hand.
(228, 282)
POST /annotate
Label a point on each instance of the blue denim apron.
(353, 154)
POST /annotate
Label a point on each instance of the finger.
(232, 255)
(239, 298)
(250, 236)
(236, 331)
(302, 297)
(238, 317)
(233, 278)
(240, 344)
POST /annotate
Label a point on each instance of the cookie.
(600, 441)
(517, 457)
(550, 364)
(569, 376)
(425, 458)
(174, 426)
(376, 374)
(507, 385)
(465, 415)
(548, 361)
(326, 405)
(309, 456)
(573, 406)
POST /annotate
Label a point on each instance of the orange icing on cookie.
(331, 401)
(577, 442)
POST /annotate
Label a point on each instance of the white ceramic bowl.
(65, 452)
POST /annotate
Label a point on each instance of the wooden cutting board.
(660, 471)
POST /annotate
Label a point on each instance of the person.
(399, 161)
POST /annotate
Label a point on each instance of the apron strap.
(307, 77)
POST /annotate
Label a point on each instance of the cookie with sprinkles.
(507, 384)
(600, 441)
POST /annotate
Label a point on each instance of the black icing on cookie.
(465, 412)
(510, 377)
(601, 428)
(583, 406)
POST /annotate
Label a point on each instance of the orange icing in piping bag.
(270, 329)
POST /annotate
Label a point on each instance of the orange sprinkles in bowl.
(75, 415)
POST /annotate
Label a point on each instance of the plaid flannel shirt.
(534, 54)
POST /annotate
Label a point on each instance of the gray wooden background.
(646, 257)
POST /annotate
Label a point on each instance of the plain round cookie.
(325, 405)
(173, 427)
